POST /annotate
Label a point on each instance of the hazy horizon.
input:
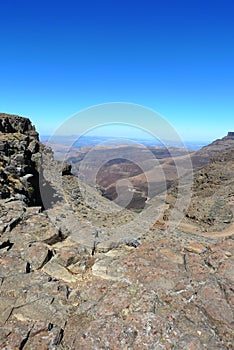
(79, 141)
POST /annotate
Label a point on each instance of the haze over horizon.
(173, 57)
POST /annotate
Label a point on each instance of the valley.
(81, 271)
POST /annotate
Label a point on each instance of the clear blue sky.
(176, 57)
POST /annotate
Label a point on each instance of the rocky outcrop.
(10, 124)
(20, 153)
(230, 135)
(22, 159)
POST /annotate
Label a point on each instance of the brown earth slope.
(148, 170)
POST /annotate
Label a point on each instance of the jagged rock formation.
(19, 159)
(11, 124)
(60, 289)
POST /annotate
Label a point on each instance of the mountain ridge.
(67, 282)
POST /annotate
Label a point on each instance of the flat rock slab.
(57, 271)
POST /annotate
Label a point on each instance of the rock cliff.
(61, 290)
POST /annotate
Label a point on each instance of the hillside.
(203, 156)
(213, 192)
(80, 272)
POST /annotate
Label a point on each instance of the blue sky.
(176, 57)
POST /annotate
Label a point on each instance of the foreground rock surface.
(160, 295)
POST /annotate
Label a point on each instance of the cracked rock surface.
(157, 295)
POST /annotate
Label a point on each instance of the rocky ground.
(68, 282)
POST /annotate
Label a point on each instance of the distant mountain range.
(87, 140)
